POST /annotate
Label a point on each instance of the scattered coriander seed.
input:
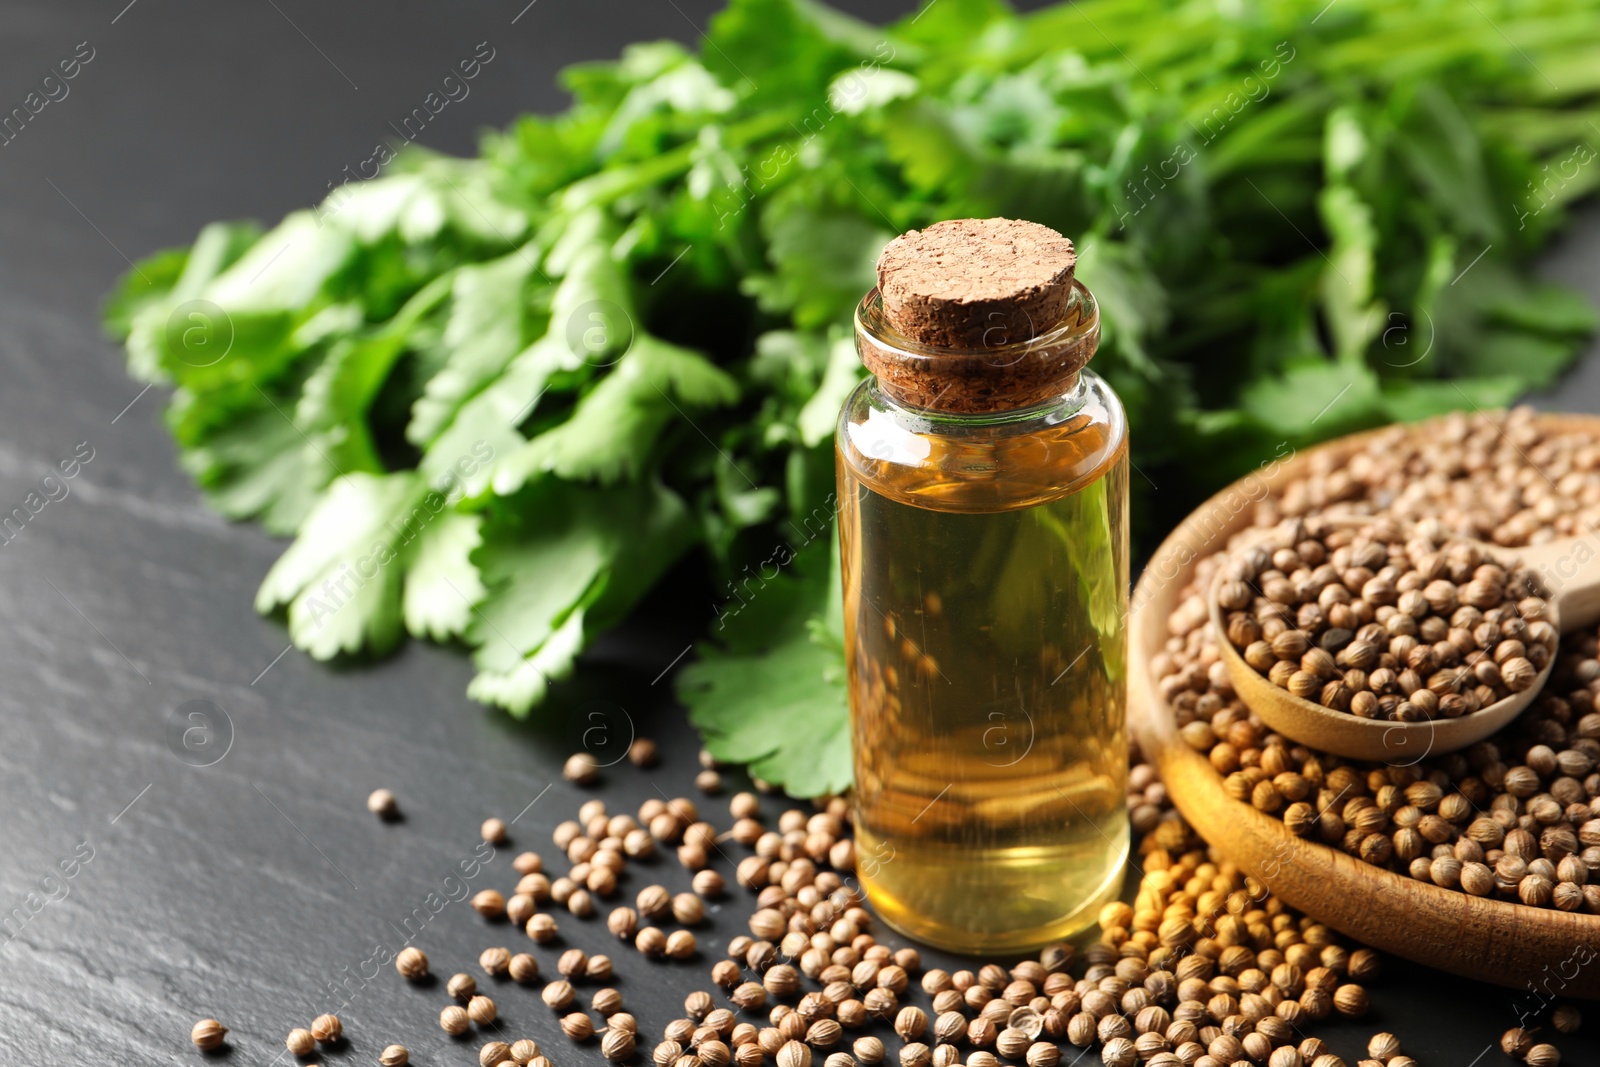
(915, 1054)
(599, 969)
(394, 1056)
(708, 782)
(869, 1050)
(616, 1045)
(327, 1028)
(454, 1020)
(528, 863)
(524, 1051)
(208, 1034)
(793, 1054)
(412, 963)
(840, 1059)
(558, 995)
(519, 909)
(523, 968)
(493, 831)
(651, 942)
(654, 902)
(542, 928)
(577, 1026)
(709, 883)
(581, 903)
(1543, 1056)
(1383, 1047)
(495, 961)
(623, 922)
(911, 1023)
(749, 996)
(1045, 1054)
(573, 963)
(493, 1054)
(688, 909)
(1350, 1001)
(1119, 1052)
(681, 945)
(489, 903)
(581, 768)
(300, 1042)
(824, 1034)
(461, 986)
(642, 753)
(381, 803)
(1567, 1018)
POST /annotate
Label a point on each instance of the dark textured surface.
(251, 888)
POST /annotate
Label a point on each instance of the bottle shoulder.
(988, 463)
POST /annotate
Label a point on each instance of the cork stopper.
(976, 316)
(976, 283)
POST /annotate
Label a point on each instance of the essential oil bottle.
(983, 487)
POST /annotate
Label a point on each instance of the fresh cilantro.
(496, 398)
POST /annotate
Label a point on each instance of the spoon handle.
(1570, 570)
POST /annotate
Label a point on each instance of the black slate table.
(145, 882)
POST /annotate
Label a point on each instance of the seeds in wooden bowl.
(1384, 624)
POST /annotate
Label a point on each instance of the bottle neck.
(1008, 377)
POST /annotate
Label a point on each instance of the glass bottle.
(983, 532)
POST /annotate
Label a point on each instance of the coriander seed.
(454, 1020)
(524, 1051)
(382, 803)
(495, 961)
(688, 908)
(651, 942)
(494, 831)
(300, 1042)
(558, 994)
(489, 903)
(577, 1026)
(616, 1045)
(493, 1054)
(523, 968)
(208, 1034)
(327, 1028)
(412, 963)
(869, 1050)
(461, 986)
(481, 1010)
(541, 928)
(573, 963)
(1543, 1056)
(581, 768)
(394, 1056)
(680, 945)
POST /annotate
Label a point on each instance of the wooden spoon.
(1568, 568)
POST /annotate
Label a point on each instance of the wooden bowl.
(1477, 937)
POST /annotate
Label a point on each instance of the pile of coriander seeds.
(1387, 623)
(1517, 816)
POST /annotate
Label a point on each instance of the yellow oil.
(985, 576)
